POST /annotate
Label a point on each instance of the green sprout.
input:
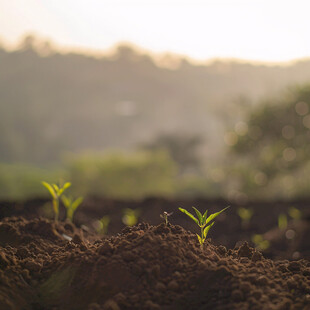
(260, 242)
(103, 224)
(71, 205)
(282, 221)
(56, 192)
(294, 213)
(202, 222)
(245, 214)
(130, 217)
(165, 216)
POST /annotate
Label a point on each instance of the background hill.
(71, 102)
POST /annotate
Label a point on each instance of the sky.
(257, 30)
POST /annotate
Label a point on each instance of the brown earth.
(143, 267)
(290, 243)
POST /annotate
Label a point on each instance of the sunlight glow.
(255, 30)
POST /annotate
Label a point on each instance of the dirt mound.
(287, 243)
(44, 265)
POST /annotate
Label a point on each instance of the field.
(103, 154)
(151, 265)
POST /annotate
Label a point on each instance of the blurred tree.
(274, 140)
(183, 149)
(119, 175)
(28, 43)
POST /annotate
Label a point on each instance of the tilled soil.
(143, 267)
(290, 243)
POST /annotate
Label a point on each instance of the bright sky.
(272, 30)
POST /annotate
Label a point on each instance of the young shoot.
(282, 221)
(295, 213)
(56, 192)
(165, 216)
(245, 214)
(130, 216)
(71, 205)
(260, 242)
(103, 223)
(202, 221)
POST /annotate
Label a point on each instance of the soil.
(47, 265)
(290, 243)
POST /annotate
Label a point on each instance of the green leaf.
(204, 217)
(56, 188)
(199, 215)
(189, 215)
(199, 239)
(214, 215)
(206, 230)
(66, 201)
(68, 184)
(50, 189)
(76, 203)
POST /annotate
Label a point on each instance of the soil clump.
(47, 265)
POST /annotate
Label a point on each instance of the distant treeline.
(53, 103)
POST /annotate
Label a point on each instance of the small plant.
(260, 242)
(202, 222)
(245, 214)
(130, 217)
(294, 213)
(71, 205)
(165, 216)
(103, 223)
(56, 192)
(282, 221)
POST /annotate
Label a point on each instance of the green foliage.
(56, 192)
(21, 181)
(202, 221)
(71, 205)
(130, 216)
(103, 225)
(274, 146)
(32, 129)
(260, 242)
(182, 148)
(191, 185)
(245, 214)
(282, 221)
(295, 213)
(123, 176)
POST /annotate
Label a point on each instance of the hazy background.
(129, 99)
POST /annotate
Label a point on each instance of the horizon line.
(155, 55)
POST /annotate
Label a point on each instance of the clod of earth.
(143, 267)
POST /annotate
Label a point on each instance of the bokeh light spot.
(289, 154)
(241, 128)
(301, 108)
(231, 138)
(288, 132)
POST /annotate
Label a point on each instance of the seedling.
(260, 242)
(165, 216)
(103, 224)
(245, 214)
(56, 192)
(202, 222)
(294, 213)
(282, 221)
(130, 217)
(71, 205)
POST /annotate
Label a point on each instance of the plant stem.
(201, 232)
(56, 208)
